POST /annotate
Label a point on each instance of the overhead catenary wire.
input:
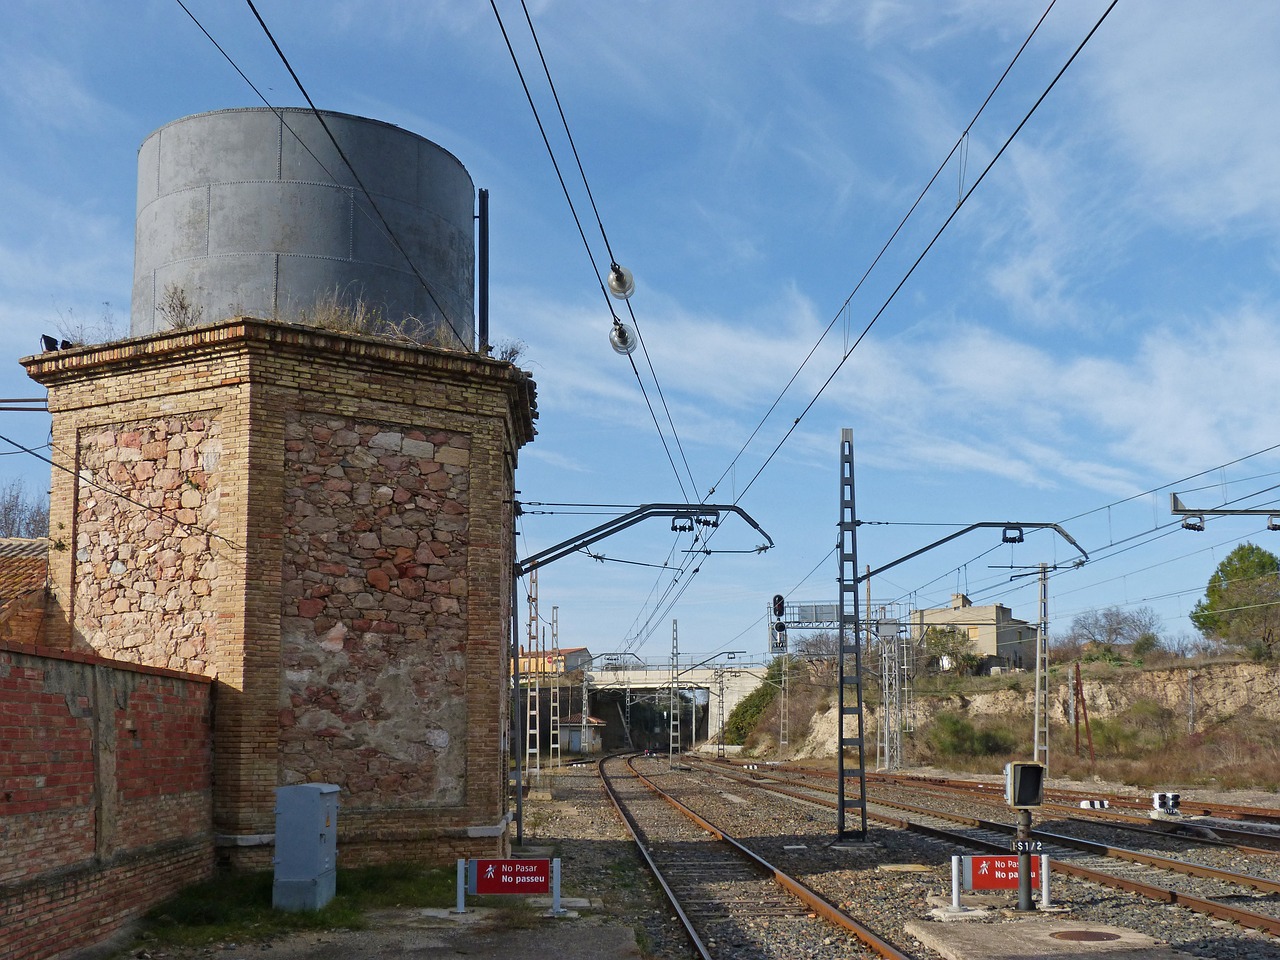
(924, 191)
(929, 246)
(1113, 548)
(661, 604)
(585, 242)
(613, 261)
(1141, 538)
(915, 264)
(963, 198)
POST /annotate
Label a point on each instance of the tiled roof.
(24, 566)
(22, 547)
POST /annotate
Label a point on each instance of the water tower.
(255, 212)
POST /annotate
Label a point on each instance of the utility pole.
(553, 739)
(583, 743)
(1041, 754)
(532, 732)
(849, 686)
(673, 743)
(720, 752)
(850, 622)
(1040, 709)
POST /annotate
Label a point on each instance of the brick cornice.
(271, 340)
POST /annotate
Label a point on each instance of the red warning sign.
(510, 876)
(996, 873)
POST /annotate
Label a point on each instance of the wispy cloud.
(1192, 107)
(43, 94)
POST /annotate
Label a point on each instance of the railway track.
(1126, 813)
(730, 900)
(1251, 901)
(1190, 829)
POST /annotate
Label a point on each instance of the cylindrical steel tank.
(252, 212)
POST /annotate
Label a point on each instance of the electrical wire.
(929, 246)
(965, 195)
(515, 60)
(159, 512)
(613, 262)
(389, 233)
(1141, 539)
(962, 139)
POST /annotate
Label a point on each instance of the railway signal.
(1024, 785)
(1024, 791)
(779, 637)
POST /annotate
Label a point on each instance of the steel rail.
(1225, 811)
(1246, 841)
(633, 827)
(1086, 846)
(809, 897)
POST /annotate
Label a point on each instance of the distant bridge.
(654, 680)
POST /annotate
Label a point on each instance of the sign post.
(998, 872)
(1023, 845)
(1023, 790)
(510, 877)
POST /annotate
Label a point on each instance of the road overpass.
(613, 691)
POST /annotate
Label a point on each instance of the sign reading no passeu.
(508, 876)
(996, 873)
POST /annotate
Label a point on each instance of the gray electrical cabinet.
(306, 860)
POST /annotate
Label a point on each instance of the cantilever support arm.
(643, 512)
(960, 533)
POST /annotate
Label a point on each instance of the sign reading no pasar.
(508, 876)
(996, 873)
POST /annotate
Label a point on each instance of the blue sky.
(1096, 327)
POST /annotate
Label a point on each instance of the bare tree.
(1115, 626)
(821, 650)
(22, 514)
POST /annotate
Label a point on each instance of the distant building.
(595, 733)
(557, 661)
(995, 634)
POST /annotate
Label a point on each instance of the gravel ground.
(892, 879)
(885, 900)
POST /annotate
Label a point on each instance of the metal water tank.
(253, 212)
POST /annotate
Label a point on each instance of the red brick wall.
(105, 795)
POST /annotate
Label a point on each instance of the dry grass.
(1238, 754)
(1143, 747)
(340, 312)
(177, 310)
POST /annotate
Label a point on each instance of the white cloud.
(1190, 92)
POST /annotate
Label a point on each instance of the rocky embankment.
(1205, 693)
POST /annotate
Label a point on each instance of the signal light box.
(1023, 784)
